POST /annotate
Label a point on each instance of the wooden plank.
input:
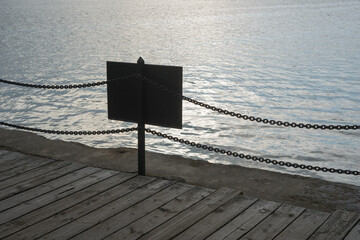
(11, 156)
(337, 226)
(124, 194)
(162, 214)
(304, 226)
(32, 165)
(96, 207)
(38, 180)
(3, 152)
(52, 196)
(191, 215)
(59, 206)
(13, 164)
(28, 175)
(354, 233)
(247, 220)
(68, 215)
(275, 223)
(218, 218)
(133, 213)
(44, 188)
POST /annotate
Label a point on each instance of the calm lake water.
(290, 60)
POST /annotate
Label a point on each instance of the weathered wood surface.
(48, 199)
(8, 156)
(245, 221)
(354, 233)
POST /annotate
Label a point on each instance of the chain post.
(141, 123)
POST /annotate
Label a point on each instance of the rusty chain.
(253, 158)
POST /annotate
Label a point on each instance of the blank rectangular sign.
(160, 108)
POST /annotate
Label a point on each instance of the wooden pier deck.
(49, 199)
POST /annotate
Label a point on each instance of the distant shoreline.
(292, 189)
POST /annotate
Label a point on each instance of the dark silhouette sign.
(135, 100)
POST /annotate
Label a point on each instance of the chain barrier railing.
(62, 132)
(196, 102)
(66, 86)
(272, 122)
(186, 142)
(252, 118)
(249, 157)
(69, 86)
(189, 143)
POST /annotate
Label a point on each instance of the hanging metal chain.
(69, 86)
(252, 118)
(124, 130)
(253, 158)
(272, 122)
(193, 101)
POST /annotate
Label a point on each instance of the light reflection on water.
(284, 60)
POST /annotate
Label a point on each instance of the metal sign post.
(141, 123)
(132, 99)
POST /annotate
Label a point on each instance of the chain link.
(253, 158)
(60, 132)
(272, 122)
(252, 118)
(69, 86)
